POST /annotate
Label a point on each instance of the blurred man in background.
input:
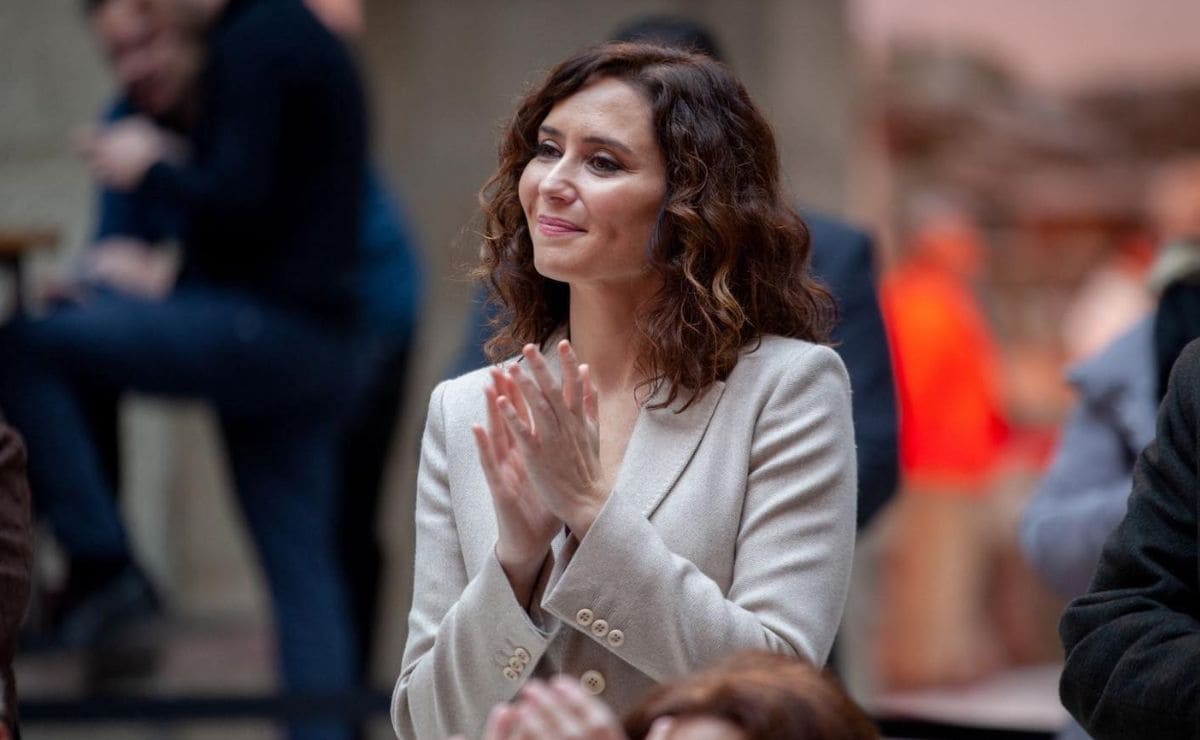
(157, 66)
(264, 189)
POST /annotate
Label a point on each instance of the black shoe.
(118, 606)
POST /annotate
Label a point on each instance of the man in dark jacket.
(15, 562)
(1133, 642)
(262, 324)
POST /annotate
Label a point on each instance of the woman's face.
(593, 190)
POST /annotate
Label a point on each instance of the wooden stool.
(15, 244)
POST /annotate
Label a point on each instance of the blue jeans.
(279, 381)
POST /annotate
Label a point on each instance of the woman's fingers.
(591, 401)
(510, 388)
(500, 722)
(594, 718)
(540, 413)
(661, 728)
(548, 386)
(519, 428)
(497, 429)
(538, 718)
(487, 460)
(552, 715)
(572, 387)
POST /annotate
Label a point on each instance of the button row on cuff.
(516, 664)
(599, 627)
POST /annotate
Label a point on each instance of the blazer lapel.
(661, 446)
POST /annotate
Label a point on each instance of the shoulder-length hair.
(729, 251)
(765, 695)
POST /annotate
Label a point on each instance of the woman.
(675, 482)
(749, 696)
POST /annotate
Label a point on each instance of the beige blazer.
(730, 526)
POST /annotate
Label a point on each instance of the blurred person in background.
(953, 433)
(1085, 489)
(1133, 641)
(676, 481)
(1112, 298)
(15, 563)
(1083, 495)
(264, 320)
(748, 696)
(158, 67)
(843, 257)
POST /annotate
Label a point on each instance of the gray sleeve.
(1078, 502)
(470, 644)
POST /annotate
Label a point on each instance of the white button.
(616, 638)
(522, 654)
(599, 628)
(584, 616)
(510, 674)
(516, 664)
(593, 682)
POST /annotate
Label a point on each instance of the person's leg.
(224, 346)
(73, 485)
(286, 476)
(66, 473)
(365, 451)
(239, 353)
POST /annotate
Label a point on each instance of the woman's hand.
(526, 526)
(560, 710)
(559, 437)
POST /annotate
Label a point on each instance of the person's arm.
(791, 564)
(1133, 642)
(861, 340)
(463, 632)
(15, 562)
(234, 176)
(1078, 502)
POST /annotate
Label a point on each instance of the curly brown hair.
(765, 695)
(730, 253)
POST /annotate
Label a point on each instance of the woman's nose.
(557, 183)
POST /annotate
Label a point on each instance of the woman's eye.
(545, 150)
(606, 165)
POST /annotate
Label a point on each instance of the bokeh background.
(1043, 120)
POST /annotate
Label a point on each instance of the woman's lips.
(550, 226)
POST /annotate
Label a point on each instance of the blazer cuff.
(580, 592)
(513, 633)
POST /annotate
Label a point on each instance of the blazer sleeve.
(791, 565)
(1133, 642)
(470, 643)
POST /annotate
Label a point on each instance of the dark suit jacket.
(15, 561)
(843, 257)
(1133, 642)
